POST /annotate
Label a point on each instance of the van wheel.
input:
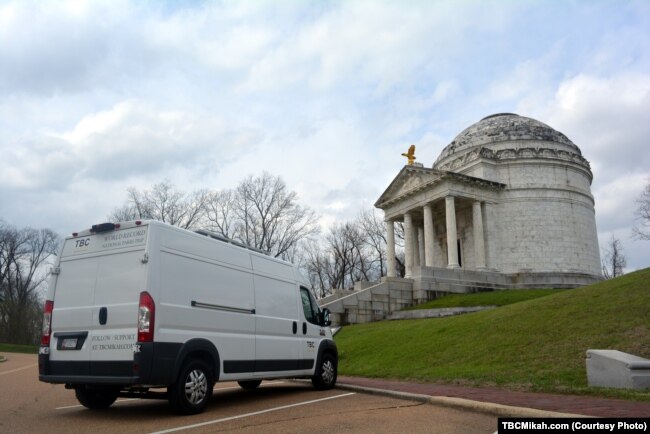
(249, 384)
(326, 373)
(95, 399)
(193, 388)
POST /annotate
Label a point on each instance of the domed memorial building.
(506, 204)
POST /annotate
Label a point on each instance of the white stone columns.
(416, 247)
(490, 227)
(452, 248)
(428, 236)
(408, 244)
(479, 243)
(421, 246)
(390, 249)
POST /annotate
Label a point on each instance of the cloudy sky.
(96, 97)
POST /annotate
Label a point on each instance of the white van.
(141, 306)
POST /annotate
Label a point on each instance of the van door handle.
(103, 315)
(304, 328)
(295, 327)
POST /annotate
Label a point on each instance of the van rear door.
(96, 299)
(73, 304)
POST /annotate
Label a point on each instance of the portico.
(430, 203)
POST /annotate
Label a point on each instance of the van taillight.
(146, 317)
(47, 323)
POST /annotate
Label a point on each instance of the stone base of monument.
(612, 368)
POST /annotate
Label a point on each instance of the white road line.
(79, 405)
(255, 413)
(216, 389)
(239, 387)
(19, 369)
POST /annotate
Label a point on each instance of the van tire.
(249, 384)
(192, 390)
(326, 372)
(95, 399)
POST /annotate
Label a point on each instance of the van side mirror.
(325, 319)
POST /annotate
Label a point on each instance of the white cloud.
(607, 117)
(615, 201)
(131, 139)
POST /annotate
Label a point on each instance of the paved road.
(27, 405)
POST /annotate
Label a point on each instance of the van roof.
(107, 227)
(220, 237)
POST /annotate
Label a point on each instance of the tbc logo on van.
(80, 244)
(310, 345)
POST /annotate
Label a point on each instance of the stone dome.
(495, 130)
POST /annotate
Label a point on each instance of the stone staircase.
(377, 301)
(373, 303)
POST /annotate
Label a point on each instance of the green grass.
(14, 348)
(492, 298)
(534, 345)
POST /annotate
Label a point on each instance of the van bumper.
(140, 371)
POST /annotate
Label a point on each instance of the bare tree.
(261, 212)
(350, 252)
(613, 260)
(374, 232)
(221, 212)
(641, 229)
(341, 242)
(318, 267)
(165, 203)
(23, 253)
(400, 258)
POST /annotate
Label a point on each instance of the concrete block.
(363, 304)
(363, 318)
(364, 295)
(612, 368)
(380, 289)
(336, 308)
(361, 285)
(376, 297)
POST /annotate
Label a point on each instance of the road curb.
(461, 403)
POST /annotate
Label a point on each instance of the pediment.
(409, 179)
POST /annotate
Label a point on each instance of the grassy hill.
(490, 298)
(537, 344)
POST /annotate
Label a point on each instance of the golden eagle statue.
(410, 154)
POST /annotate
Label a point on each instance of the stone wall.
(372, 304)
(547, 219)
(544, 221)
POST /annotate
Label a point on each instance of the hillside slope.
(537, 344)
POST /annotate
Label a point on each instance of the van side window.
(309, 306)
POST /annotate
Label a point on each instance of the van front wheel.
(326, 372)
(193, 388)
(95, 399)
